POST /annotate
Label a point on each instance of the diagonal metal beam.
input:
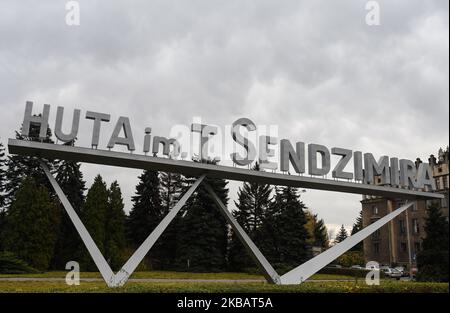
(307, 269)
(269, 272)
(119, 279)
(129, 267)
(97, 256)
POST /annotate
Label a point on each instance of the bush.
(10, 264)
(350, 258)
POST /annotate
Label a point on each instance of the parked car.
(391, 272)
(335, 266)
(402, 270)
(358, 267)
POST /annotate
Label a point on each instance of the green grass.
(312, 285)
(172, 275)
(183, 287)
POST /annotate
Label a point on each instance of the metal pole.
(111, 279)
(269, 272)
(309, 268)
(129, 267)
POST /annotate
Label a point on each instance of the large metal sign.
(399, 178)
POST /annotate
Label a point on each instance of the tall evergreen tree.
(342, 235)
(2, 229)
(357, 226)
(253, 201)
(94, 214)
(172, 186)
(115, 227)
(2, 196)
(318, 233)
(69, 244)
(285, 230)
(2, 177)
(20, 166)
(146, 214)
(31, 225)
(171, 189)
(432, 261)
(203, 231)
(270, 229)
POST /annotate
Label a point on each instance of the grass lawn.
(172, 275)
(214, 287)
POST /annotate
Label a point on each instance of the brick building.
(390, 244)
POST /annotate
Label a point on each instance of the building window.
(415, 226)
(403, 246)
(376, 248)
(414, 206)
(417, 247)
(438, 184)
(445, 181)
(402, 228)
(374, 210)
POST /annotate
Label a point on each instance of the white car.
(402, 270)
(392, 273)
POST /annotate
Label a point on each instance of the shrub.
(350, 258)
(10, 264)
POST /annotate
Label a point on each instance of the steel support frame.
(119, 279)
(296, 276)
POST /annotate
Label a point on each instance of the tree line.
(35, 227)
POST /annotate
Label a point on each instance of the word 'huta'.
(392, 171)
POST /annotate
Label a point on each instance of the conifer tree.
(432, 260)
(2, 228)
(146, 214)
(270, 229)
(2, 177)
(357, 226)
(69, 244)
(94, 214)
(321, 233)
(318, 233)
(171, 189)
(284, 229)
(19, 167)
(203, 231)
(172, 186)
(115, 227)
(253, 201)
(31, 225)
(2, 196)
(342, 235)
(293, 234)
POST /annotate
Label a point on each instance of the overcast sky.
(313, 68)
